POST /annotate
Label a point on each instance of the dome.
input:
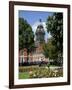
(40, 26)
(40, 29)
(40, 34)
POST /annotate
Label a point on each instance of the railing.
(39, 58)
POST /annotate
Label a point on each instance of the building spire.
(40, 20)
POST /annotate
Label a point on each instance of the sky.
(33, 18)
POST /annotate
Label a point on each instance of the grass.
(26, 72)
(23, 75)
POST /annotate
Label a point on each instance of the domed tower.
(40, 37)
(40, 33)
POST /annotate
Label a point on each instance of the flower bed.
(41, 72)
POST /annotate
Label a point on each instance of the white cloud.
(34, 26)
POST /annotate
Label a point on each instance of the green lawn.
(23, 75)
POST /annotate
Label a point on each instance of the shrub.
(46, 73)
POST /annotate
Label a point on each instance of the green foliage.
(54, 46)
(45, 50)
(39, 72)
(28, 68)
(26, 35)
(54, 25)
(49, 50)
(46, 73)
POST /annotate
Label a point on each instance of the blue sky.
(33, 16)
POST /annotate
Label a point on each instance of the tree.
(26, 35)
(54, 25)
(49, 50)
